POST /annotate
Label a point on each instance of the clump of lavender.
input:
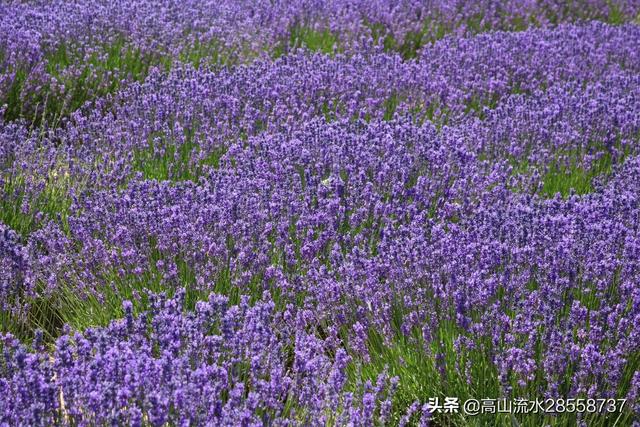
(55, 56)
(14, 270)
(222, 363)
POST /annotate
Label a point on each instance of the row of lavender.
(57, 55)
(312, 214)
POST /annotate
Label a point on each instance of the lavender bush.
(317, 213)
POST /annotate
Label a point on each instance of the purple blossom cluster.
(13, 259)
(230, 246)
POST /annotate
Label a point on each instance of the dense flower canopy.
(312, 213)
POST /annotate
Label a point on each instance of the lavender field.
(301, 212)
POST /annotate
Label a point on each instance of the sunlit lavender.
(248, 213)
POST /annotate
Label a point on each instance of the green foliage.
(322, 41)
(40, 313)
(616, 16)
(166, 159)
(390, 106)
(98, 307)
(573, 171)
(573, 174)
(201, 53)
(20, 211)
(567, 178)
